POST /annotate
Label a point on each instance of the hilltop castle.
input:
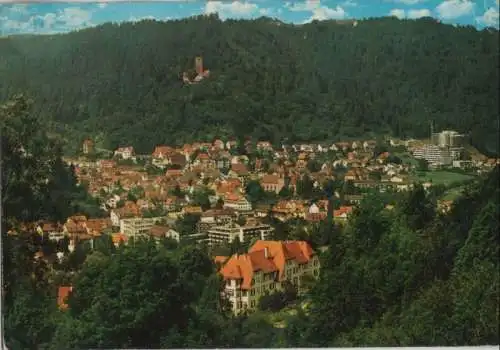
(200, 72)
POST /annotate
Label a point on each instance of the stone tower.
(198, 64)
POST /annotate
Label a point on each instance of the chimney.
(266, 253)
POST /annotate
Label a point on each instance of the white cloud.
(323, 13)
(19, 8)
(414, 13)
(102, 5)
(75, 17)
(409, 2)
(349, 3)
(308, 5)
(399, 13)
(490, 17)
(235, 8)
(319, 12)
(450, 9)
(70, 18)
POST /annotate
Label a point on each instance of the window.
(272, 285)
(252, 303)
(252, 292)
(239, 305)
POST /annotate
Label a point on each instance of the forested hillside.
(320, 81)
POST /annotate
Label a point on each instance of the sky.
(47, 17)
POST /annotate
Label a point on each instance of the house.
(342, 214)
(159, 231)
(316, 217)
(177, 159)
(204, 160)
(240, 171)
(237, 203)
(129, 210)
(95, 227)
(196, 210)
(287, 209)
(272, 183)
(161, 152)
(264, 146)
(119, 238)
(54, 231)
(222, 160)
(173, 173)
(218, 144)
(301, 161)
(62, 295)
(267, 267)
(75, 226)
(107, 164)
(125, 152)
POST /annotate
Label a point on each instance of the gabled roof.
(243, 267)
(239, 168)
(62, 294)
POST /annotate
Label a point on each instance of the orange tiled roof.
(239, 168)
(270, 179)
(62, 294)
(243, 266)
(342, 210)
(119, 237)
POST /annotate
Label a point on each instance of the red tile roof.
(62, 295)
(244, 266)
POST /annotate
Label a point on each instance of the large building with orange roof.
(266, 268)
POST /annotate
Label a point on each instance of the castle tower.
(198, 64)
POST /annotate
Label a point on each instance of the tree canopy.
(121, 83)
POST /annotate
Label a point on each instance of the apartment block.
(266, 268)
(213, 218)
(245, 233)
(134, 227)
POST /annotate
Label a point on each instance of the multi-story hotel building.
(134, 227)
(266, 268)
(213, 217)
(228, 233)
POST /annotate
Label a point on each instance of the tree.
(305, 187)
(418, 208)
(423, 165)
(187, 224)
(254, 192)
(220, 204)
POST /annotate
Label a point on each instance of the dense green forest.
(121, 83)
(407, 276)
